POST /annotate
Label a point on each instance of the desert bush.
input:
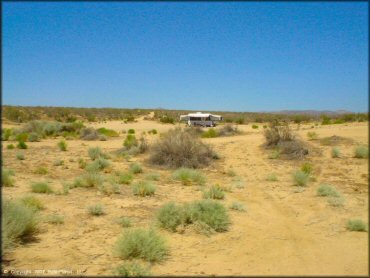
(307, 168)
(312, 135)
(98, 165)
(167, 119)
(153, 131)
(7, 177)
(132, 269)
(274, 154)
(130, 141)
(32, 202)
(153, 176)
(136, 168)
(34, 137)
(143, 145)
(22, 136)
(81, 163)
(124, 221)
(300, 178)
(58, 162)
(19, 156)
(214, 192)
(178, 148)
(107, 132)
(211, 213)
(335, 152)
(277, 132)
(239, 121)
(125, 178)
(143, 188)
(170, 216)
(327, 190)
(237, 206)
(96, 210)
(227, 130)
(62, 145)
(41, 187)
(10, 147)
(95, 153)
(325, 120)
(90, 179)
(89, 134)
(210, 133)
(271, 177)
(336, 201)
(231, 172)
(255, 126)
(6, 133)
(356, 225)
(19, 223)
(362, 152)
(22, 145)
(189, 176)
(131, 131)
(109, 188)
(141, 244)
(41, 170)
(55, 219)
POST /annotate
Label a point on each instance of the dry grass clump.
(109, 188)
(214, 192)
(312, 135)
(90, 134)
(271, 177)
(124, 221)
(132, 269)
(143, 188)
(95, 153)
(153, 176)
(41, 187)
(178, 148)
(89, 179)
(237, 206)
(325, 190)
(98, 165)
(335, 152)
(280, 137)
(125, 177)
(62, 145)
(206, 214)
(356, 225)
(7, 177)
(189, 176)
(55, 219)
(142, 244)
(32, 202)
(228, 130)
(136, 168)
(335, 140)
(19, 223)
(336, 201)
(300, 178)
(307, 168)
(96, 210)
(41, 170)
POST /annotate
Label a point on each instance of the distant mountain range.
(311, 112)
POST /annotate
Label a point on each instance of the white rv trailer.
(201, 119)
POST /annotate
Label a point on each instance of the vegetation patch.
(189, 176)
(136, 168)
(356, 225)
(214, 192)
(307, 168)
(237, 206)
(271, 177)
(300, 178)
(62, 145)
(335, 152)
(327, 190)
(96, 210)
(125, 178)
(107, 132)
(132, 269)
(312, 135)
(41, 170)
(55, 219)
(7, 177)
(96, 152)
(142, 244)
(125, 222)
(143, 188)
(41, 187)
(361, 151)
(32, 202)
(153, 176)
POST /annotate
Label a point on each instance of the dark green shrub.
(167, 120)
(41, 187)
(107, 132)
(130, 141)
(10, 147)
(62, 145)
(255, 126)
(131, 131)
(22, 145)
(356, 225)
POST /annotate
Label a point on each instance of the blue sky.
(241, 56)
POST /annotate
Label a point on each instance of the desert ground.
(284, 230)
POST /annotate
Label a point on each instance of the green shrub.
(152, 176)
(300, 178)
(231, 172)
(307, 168)
(255, 126)
(55, 219)
(81, 163)
(170, 216)
(335, 152)
(98, 165)
(271, 177)
(130, 141)
(125, 222)
(90, 179)
(211, 213)
(7, 177)
(188, 176)
(179, 148)
(41, 170)
(10, 147)
(62, 145)
(336, 201)
(237, 206)
(95, 153)
(58, 162)
(362, 151)
(22, 145)
(356, 225)
(32, 202)
(96, 210)
(312, 135)
(167, 120)
(142, 244)
(153, 131)
(22, 137)
(132, 269)
(41, 187)
(143, 188)
(19, 223)
(131, 131)
(107, 132)
(125, 178)
(214, 192)
(327, 190)
(136, 168)
(210, 133)
(6, 133)
(274, 154)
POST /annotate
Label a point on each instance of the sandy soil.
(284, 231)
